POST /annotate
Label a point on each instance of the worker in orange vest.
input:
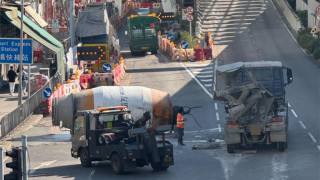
(180, 126)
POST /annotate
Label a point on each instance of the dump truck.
(254, 98)
(110, 133)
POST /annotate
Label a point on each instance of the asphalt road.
(264, 38)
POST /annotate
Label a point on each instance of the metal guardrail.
(10, 121)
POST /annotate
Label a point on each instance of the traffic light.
(15, 164)
(91, 53)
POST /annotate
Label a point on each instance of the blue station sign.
(10, 51)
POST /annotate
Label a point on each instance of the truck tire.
(116, 164)
(230, 148)
(85, 158)
(281, 146)
(154, 52)
(159, 167)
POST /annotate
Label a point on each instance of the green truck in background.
(143, 33)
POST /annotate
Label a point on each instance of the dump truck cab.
(110, 133)
(254, 98)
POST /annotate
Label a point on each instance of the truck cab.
(110, 133)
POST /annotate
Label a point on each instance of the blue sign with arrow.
(184, 45)
(106, 67)
(170, 37)
(47, 93)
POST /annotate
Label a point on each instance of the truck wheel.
(230, 148)
(116, 164)
(159, 166)
(84, 158)
(154, 52)
(281, 146)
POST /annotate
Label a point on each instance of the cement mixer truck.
(254, 98)
(119, 124)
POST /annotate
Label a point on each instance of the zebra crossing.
(203, 72)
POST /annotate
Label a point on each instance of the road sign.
(189, 10)
(170, 37)
(184, 45)
(189, 18)
(55, 25)
(47, 93)
(106, 67)
(10, 51)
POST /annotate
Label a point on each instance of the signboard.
(189, 18)
(10, 51)
(170, 37)
(184, 45)
(47, 93)
(106, 67)
(189, 10)
(55, 25)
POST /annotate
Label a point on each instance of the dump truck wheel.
(154, 52)
(159, 166)
(230, 148)
(281, 146)
(84, 158)
(116, 164)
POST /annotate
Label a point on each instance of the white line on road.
(195, 141)
(311, 136)
(217, 115)
(42, 165)
(289, 105)
(304, 127)
(214, 75)
(204, 76)
(294, 113)
(204, 89)
(204, 67)
(319, 148)
(206, 80)
(91, 175)
(202, 72)
(207, 85)
(219, 127)
(216, 106)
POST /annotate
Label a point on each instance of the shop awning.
(42, 23)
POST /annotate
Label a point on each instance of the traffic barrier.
(101, 79)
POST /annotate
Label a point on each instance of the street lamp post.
(21, 55)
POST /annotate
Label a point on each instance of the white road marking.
(219, 127)
(91, 175)
(304, 127)
(217, 115)
(294, 113)
(202, 67)
(204, 76)
(195, 141)
(214, 75)
(319, 148)
(206, 80)
(289, 105)
(311, 136)
(207, 85)
(204, 89)
(216, 106)
(202, 72)
(42, 165)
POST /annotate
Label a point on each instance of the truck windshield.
(150, 32)
(259, 74)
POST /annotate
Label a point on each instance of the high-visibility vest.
(180, 122)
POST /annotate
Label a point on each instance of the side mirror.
(289, 76)
(126, 33)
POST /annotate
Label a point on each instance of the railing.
(10, 121)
